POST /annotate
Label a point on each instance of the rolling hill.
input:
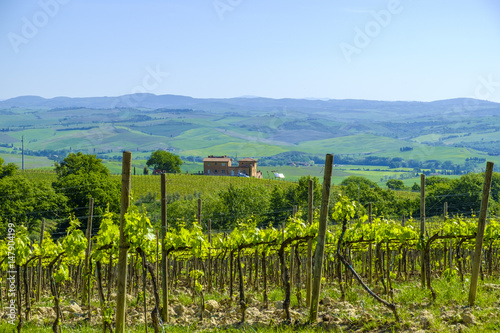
(448, 130)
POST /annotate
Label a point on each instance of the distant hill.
(347, 109)
(453, 130)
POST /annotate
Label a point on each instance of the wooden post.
(450, 250)
(198, 215)
(370, 245)
(292, 252)
(309, 244)
(480, 233)
(320, 247)
(210, 256)
(39, 280)
(157, 253)
(422, 228)
(164, 259)
(87, 254)
(121, 300)
(445, 217)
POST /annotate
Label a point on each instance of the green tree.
(80, 164)
(463, 194)
(384, 202)
(240, 203)
(358, 180)
(28, 202)
(81, 177)
(302, 191)
(166, 161)
(395, 184)
(7, 170)
(278, 206)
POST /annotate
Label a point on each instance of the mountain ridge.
(146, 100)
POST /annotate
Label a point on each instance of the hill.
(452, 131)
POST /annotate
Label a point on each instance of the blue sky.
(384, 50)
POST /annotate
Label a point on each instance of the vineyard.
(177, 183)
(359, 272)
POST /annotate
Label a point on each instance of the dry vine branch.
(391, 306)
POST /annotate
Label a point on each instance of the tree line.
(83, 176)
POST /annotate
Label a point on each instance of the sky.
(411, 50)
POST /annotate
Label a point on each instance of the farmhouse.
(221, 166)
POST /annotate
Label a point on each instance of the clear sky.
(384, 50)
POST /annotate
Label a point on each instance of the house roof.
(248, 159)
(216, 159)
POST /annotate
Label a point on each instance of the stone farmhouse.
(221, 166)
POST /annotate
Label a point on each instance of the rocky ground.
(333, 315)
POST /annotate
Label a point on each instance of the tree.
(7, 170)
(302, 190)
(395, 184)
(240, 203)
(80, 164)
(145, 171)
(27, 202)
(81, 177)
(358, 180)
(463, 194)
(278, 206)
(164, 160)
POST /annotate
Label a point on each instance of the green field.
(246, 132)
(184, 184)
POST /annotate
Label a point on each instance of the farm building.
(221, 166)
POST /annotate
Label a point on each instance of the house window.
(215, 171)
(215, 163)
(208, 163)
(208, 171)
(223, 171)
(223, 164)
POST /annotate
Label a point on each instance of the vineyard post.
(198, 218)
(198, 215)
(370, 245)
(210, 256)
(292, 251)
(320, 247)
(404, 254)
(121, 303)
(87, 254)
(445, 250)
(480, 233)
(39, 282)
(309, 243)
(157, 252)
(422, 228)
(164, 271)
